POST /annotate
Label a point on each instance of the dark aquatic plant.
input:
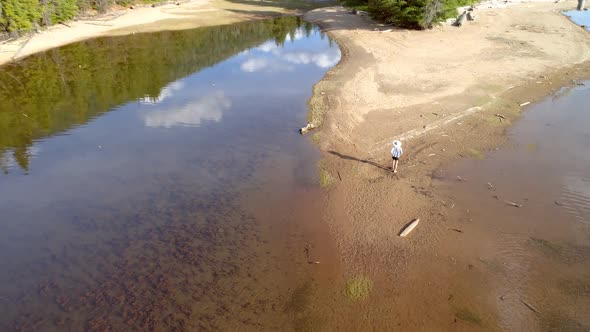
(358, 288)
(467, 315)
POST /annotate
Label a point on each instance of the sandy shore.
(187, 15)
(439, 92)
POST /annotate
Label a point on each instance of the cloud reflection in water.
(205, 108)
(269, 57)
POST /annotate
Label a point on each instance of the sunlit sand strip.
(408, 135)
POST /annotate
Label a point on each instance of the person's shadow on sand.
(372, 163)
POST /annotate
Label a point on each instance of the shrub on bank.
(413, 14)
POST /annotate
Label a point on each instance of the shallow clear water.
(133, 168)
(540, 252)
(579, 17)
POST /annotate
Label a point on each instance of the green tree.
(102, 5)
(18, 15)
(57, 11)
(84, 5)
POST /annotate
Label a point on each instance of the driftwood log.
(460, 19)
(409, 227)
(471, 16)
(581, 4)
(307, 128)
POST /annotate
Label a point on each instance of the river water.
(156, 181)
(581, 18)
(532, 261)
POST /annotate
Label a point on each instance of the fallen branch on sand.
(7, 41)
(490, 186)
(530, 306)
(99, 24)
(15, 56)
(524, 104)
(461, 179)
(409, 228)
(456, 230)
(513, 204)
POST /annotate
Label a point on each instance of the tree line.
(413, 14)
(25, 15)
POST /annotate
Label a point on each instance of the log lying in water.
(307, 128)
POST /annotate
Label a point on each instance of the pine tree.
(103, 5)
(57, 11)
(16, 15)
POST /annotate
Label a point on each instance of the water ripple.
(575, 197)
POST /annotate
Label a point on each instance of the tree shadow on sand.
(372, 163)
(287, 4)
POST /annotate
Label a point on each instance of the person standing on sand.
(396, 153)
